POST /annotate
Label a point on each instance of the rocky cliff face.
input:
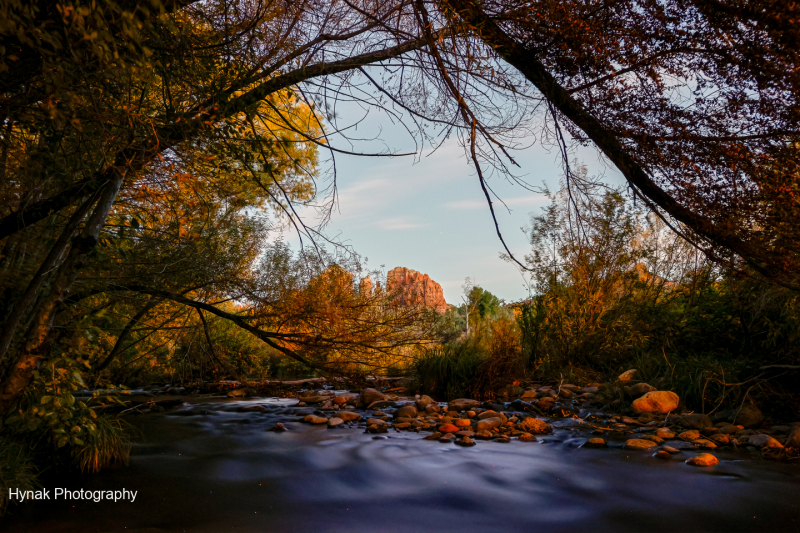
(415, 288)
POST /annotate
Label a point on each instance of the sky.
(429, 214)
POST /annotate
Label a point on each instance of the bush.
(16, 470)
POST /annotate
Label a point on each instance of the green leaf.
(62, 441)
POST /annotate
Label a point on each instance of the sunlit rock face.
(415, 288)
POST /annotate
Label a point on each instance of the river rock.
(663, 454)
(314, 419)
(348, 416)
(697, 421)
(793, 439)
(721, 439)
(447, 437)
(483, 435)
(764, 441)
(627, 375)
(704, 443)
(729, 429)
(278, 427)
(670, 449)
(465, 433)
(692, 434)
(433, 436)
(703, 459)
(335, 421)
(590, 390)
(527, 437)
(658, 402)
(492, 414)
(463, 423)
(463, 404)
(449, 428)
(534, 425)
(433, 408)
(665, 433)
(595, 443)
(529, 395)
(748, 416)
(370, 396)
(409, 411)
(639, 444)
(639, 389)
(376, 425)
(489, 423)
(423, 402)
(465, 441)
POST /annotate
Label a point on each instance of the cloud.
(398, 223)
(533, 200)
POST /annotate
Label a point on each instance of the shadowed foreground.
(208, 468)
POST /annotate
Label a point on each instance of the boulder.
(764, 441)
(639, 389)
(660, 402)
(627, 375)
(703, 459)
(433, 408)
(748, 416)
(407, 410)
(369, 396)
(376, 425)
(463, 404)
(697, 421)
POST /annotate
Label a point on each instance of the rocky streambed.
(339, 461)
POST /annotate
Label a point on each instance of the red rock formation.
(415, 288)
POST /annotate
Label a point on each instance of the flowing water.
(206, 467)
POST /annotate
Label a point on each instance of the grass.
(16, 470)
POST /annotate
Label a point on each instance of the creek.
(207, 467)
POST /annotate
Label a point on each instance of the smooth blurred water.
(206, 467)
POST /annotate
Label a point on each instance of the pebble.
(703, 459)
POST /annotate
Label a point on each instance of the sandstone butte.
(415, 288)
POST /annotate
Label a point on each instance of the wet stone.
(639, 444)
(595, 443)
(703, 459)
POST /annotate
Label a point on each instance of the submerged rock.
(639, 444)
(703, 459)
(595, 443)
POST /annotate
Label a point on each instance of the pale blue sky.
(430, 214)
